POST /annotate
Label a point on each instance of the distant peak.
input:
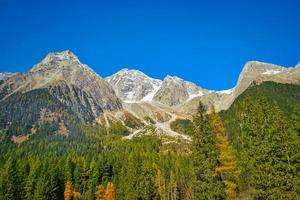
(253, 64)
(169, 77)
(59, 60)
(60, 56)
(124, 70)
(130, 72)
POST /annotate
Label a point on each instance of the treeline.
(136, 169)
(261, 161)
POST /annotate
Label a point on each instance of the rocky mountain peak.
(133, 85)
(64, 72)
(61, 56)
(262, 67)
(259, 72)
(6, 75)
(58, 62)
(172, 78)
(175, 90)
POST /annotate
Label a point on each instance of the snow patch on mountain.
(199, 94)
(149, 96)
(271, 72)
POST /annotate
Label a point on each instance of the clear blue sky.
(206, 42)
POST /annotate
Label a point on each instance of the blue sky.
(206, 42)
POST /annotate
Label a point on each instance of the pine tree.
(42, 190)
(295, 121)
(130, 177)
(9, 181)
(110, 193)
(68, 191)
(227, 164)
(55, 186)
(270, 152)
(31, 181)
(93, 179)
(207, 184)
(146, 181)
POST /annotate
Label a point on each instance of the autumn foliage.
(100, 193)
(227, 167)
(110, 193)
(68, 191)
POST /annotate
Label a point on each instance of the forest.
(250, 151)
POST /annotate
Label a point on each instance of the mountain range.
(62, 84)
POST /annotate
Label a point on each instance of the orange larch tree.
(110, 193)
(227, 167)
(68, 191)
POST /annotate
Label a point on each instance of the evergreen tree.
(56, 183)
(295, 121)
(207, 184)
(146, 181)
(9, 181)
(270, 152)
(93, 179)
(31, 181)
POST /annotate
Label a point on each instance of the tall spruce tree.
(9, 181)
(295, 121)
(207, 183)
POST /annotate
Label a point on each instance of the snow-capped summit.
(132, 85)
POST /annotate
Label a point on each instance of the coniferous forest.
(250, 151)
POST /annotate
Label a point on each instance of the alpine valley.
(68, 133)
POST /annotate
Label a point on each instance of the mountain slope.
(61, 73)
(260, 72)
(58, 90)
(6, 75)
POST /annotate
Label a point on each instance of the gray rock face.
(81, 103)
(174, 91)
(259, 72)
(63, 70)
(6, 75)
(87, 94)
(133, 86)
